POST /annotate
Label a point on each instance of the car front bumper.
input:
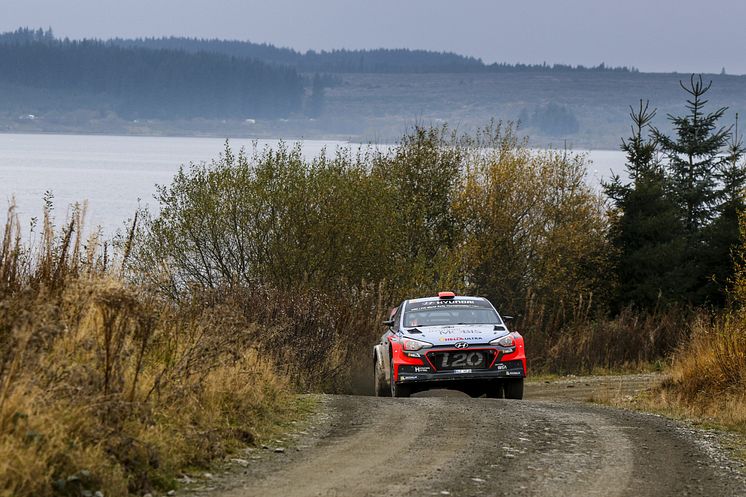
(501, 370)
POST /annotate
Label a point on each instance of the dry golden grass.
(708, 373)
(705, 382)
(104, 386)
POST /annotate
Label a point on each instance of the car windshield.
(438, 313)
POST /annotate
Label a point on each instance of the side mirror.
(508, 318)
(388, 322)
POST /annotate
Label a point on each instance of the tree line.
(143, 83)
(381, 60)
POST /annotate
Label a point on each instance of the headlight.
(506, 341)
(409, 344)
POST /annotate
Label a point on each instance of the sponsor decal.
(466, 304)
(414, 354)
(458, 339)
(461, 331)
(421, 369)
(440, 303)
(501, 366)
(515, 373)
(408, 378)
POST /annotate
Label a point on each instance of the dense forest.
(143, 83)
(345, 61)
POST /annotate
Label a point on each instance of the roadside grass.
(707, 379)
(106, 387)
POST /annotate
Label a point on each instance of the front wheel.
(379, 381)
(514, 388)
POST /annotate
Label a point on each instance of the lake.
(116, 173)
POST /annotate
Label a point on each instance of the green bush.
(479, 213)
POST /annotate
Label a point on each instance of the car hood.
(451, 334)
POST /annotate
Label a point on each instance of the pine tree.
(693, 156)
(646, 229)
(693, 161)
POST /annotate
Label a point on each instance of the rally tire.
(380, 385)
(514, 388)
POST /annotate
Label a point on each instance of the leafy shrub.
(364, 228)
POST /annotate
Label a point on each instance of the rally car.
(452, 342)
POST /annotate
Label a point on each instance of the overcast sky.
(653, 35)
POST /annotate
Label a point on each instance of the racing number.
(461, 359)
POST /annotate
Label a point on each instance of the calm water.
(113, 172)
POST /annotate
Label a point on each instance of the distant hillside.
(229, 88)
(138, 82)
(381, 60)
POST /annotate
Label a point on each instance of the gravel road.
(546, 445)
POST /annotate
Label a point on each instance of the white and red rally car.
(449, 341)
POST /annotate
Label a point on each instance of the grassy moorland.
(264, 274)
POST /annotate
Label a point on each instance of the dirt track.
(455, 445)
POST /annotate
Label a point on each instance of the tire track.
(364, 458)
